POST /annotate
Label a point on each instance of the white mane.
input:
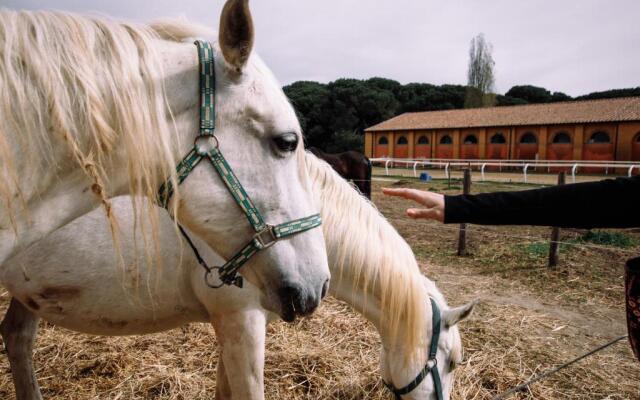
(373, 256)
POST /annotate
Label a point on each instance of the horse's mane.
(374, 257)
(91, 84)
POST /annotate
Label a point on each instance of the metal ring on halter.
(208, 275)
(204, 149)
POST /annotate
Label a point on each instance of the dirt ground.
(530, 319)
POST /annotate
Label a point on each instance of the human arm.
(612, 203)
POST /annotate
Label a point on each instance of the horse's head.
(260, 137)
(415, 377)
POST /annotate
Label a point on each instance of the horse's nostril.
(288, 294)
(291, 299)
(325, 288)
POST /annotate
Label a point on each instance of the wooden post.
(555, 233)
(462, 235)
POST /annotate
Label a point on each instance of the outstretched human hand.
(433, 202)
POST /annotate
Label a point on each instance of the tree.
(560, 96)
(530, 94)
(481, 80)
(509, 101)
(344, 141)
(610, 94)
(416, 97)
(312, 102)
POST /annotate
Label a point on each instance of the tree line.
(335, 115)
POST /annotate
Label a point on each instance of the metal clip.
(209, 278)
(265, 238)
(225, 280)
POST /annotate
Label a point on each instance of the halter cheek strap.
(431, 366)
(206, 147)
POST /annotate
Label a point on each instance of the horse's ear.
(453, 316)
(236, 34)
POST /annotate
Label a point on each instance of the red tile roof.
(607, 110)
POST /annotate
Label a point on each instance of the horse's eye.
(287, 142)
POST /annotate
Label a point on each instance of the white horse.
(374, 270)
(91, 109)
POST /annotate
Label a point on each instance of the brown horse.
(351, 165)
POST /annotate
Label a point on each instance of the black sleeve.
(612, 203)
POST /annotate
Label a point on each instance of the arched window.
(383, 141)
(471, 139)
(600, 137)
(498, 138)
(423, 140)
(529, 138)
(562, 137)
(638, 138)
(446, 139)
(402, 140)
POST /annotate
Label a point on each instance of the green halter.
(206, 146)
(431, 367)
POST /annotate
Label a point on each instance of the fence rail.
(525, 165)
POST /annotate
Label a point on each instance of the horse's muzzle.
(294, 302)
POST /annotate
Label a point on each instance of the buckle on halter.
(265, 238)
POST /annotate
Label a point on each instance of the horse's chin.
(288, 315)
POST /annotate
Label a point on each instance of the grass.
(604, 238)
(537, 249)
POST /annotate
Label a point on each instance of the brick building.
(601, 130)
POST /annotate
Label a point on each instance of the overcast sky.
(574, 46)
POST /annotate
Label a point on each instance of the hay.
(524, 326)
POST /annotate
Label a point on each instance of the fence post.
(462, 235)
(555, 233)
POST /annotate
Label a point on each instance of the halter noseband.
(206, 146)
(431, 367)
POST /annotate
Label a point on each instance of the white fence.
(525, 165)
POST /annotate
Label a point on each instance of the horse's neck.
(55, 193)
(355, 253)
(180, 66)
(373, 268)
(357, 298)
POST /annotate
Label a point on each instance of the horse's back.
(351, 165)
(360, 169)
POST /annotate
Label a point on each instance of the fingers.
(433, 201)
(409, 194)
(425, 213)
